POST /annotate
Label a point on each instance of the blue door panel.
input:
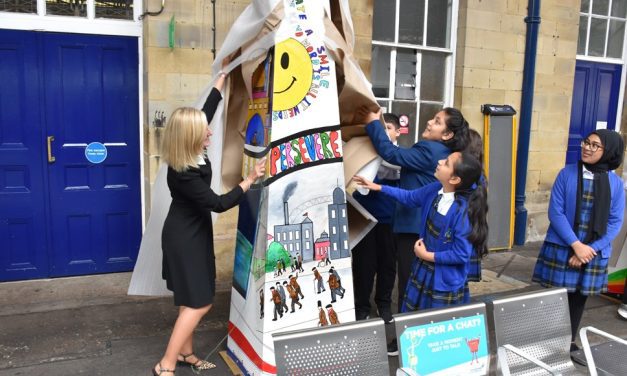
(595, 98)
(68, 217)
(23, 251)
(92, 90)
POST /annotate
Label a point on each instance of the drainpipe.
(526, 106)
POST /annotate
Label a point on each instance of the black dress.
(187, 237)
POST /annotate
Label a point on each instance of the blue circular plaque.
(96, 152)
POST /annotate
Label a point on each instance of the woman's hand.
(420, 250)
(257, 172)
(584, 252)
(365, 115)
(363, 182)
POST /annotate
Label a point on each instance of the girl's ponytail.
(473, 186)
(456, 124)
(477, 215)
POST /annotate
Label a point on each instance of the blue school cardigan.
(562, 211)
(417, 165)
(452, 250)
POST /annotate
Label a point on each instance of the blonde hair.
(183, 138)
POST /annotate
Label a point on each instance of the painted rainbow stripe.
(616, 281)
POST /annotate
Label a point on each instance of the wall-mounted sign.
(96, 152)
(404, 120)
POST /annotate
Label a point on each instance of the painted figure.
(295, 285)
(318, 280)
(334, 286)
(332, 315)
(278, 304)
(281, 291)
(293, 296)
(322, 316)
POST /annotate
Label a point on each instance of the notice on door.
(96, 152)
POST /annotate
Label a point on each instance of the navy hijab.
(613, 148)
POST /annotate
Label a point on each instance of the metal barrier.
(532, 333)
(452, 341)
(357, 348)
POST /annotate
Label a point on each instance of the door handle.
(51, 157)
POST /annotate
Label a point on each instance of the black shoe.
(573, 347)
(274, 319)
(292, 311)
(361, 316)
(393, 348)
(332, 301)
(386, 315)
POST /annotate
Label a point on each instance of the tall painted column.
(292, 260)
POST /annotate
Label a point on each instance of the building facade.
(420, 55)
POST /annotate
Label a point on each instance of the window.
(297, 246)
(335, 246)
(307, 235)
(291, 235)
(307, 245)
(332, 213)
(121, 9)
(413, 59)
(297, 233)
(345, 244)
(343, 213)
(344, 228)
(602, 28)
(333, 230)
(291, 247)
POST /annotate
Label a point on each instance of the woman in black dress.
(187, 237)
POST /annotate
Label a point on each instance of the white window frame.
(449, 86)
(610, 60)
(67, 24)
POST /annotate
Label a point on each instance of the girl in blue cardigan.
(453, 225)
(586, 214)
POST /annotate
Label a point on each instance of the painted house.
(108, 74)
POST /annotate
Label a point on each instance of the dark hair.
(475, 145)
(456, 123)
(389, 117)
(469, 170)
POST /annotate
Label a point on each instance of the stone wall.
(489, 68)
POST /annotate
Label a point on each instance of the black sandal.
(201, 364)
(162, 370)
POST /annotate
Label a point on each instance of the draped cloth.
(250, 38)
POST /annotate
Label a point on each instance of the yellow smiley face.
(292, 74)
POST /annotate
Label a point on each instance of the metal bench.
(357, 348)
(609, 358)
(531, 333)
(452, 341)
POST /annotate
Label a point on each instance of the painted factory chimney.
(286, 213)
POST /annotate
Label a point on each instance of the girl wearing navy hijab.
(586, 214)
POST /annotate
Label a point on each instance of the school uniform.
(552, 269)
(587, 203)
(417, 165)
(375, 254)
(446, 228)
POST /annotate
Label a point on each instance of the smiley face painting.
(292, 74)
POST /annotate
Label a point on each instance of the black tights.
(576, 303)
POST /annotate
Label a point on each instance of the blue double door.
(60, 214)
(595, 102)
